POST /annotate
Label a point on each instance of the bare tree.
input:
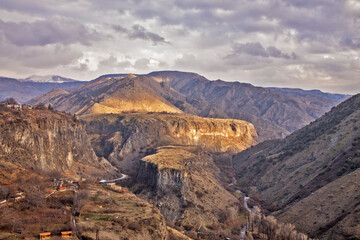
(271, 226)
(302, 236)
(80, 200)
(40, 106)
(35, 199)
(12, 101)
(4, 192)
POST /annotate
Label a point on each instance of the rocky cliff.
(44, 139)
(124, 138)
(183, 180)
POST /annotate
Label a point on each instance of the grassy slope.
(309, 160)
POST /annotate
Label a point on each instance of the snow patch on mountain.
(47, 79)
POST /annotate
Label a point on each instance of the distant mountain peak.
(131, 75)
(47, 79)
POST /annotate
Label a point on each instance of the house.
(27, 107)
(45, 235)
(14, 106)
(66, 234)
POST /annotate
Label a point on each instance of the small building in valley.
(45, 235)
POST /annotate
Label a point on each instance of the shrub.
(135, 226)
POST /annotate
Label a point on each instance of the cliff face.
(168, 187)
(183, 182)
(44, 139)
(122, 138)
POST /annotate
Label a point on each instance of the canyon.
(191, 150)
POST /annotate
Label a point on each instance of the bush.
(135, 226)
(67, 199)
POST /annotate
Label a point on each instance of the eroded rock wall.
(43, 139)
(124, 138)
(182, 180)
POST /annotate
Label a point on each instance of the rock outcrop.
(183, 182)
(46, 140)
(123, 138)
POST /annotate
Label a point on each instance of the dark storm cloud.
(139, 32)
(41, 33)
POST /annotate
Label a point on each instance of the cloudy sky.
(286, 43)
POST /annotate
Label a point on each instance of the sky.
(309, 44)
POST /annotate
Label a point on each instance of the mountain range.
(47, 79)
(25, 89)
(165, 152)
(275, 113)
(201, 155)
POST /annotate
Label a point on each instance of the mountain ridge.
(47, 79)
(23, 91)
(289, 173)
(273, 113)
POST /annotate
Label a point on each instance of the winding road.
(123, 176)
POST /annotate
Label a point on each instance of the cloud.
(142, 63)
(112, 63)
(276, 53)
(253, 49)
(139, 32)
(280, 42)
(44, 32)
(37, 57)
(257, 50)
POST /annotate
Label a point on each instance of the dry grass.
(120, 215)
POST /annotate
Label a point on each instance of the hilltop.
(112, 95)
